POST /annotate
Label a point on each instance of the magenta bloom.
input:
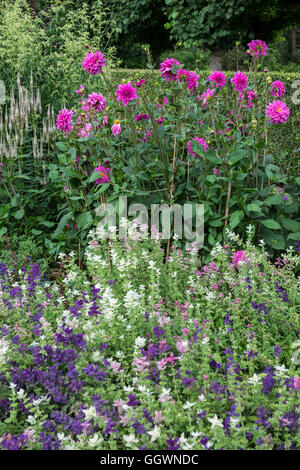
(103, 173)
(116, 127)
(190, 77)
(240, 81)
(278, 89)
(250, 96)
(192, 80)
(239, 256)
(218, 78)
(126, 93)
(96, 101)
(257, 47)
(85, 131)
(141, 117)
(201, 141)
(216, 172)
(139, 83)
(297, 382)
(206, 95)
(166, 69)
(80, 90)
(94, 62)
(277, 112)
(64, 120)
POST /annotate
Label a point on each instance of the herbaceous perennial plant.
(203, 142)
(199, 357)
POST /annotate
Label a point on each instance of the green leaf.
(275, 240)
(235, 218)
(291, 225)
(3, 231)
(19, 214)
(237, 156)
(294, 236)
(211, 156)
(274, 200)
(253, 208)
(271, 224)
(84, 219)
(62, 223)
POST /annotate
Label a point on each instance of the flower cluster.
(198, 358)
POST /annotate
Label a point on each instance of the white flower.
(234, 421)
(140, 342)
(128, 389)
(154, 433)
(130, 439)
(281, 371)
(90, 413)
(95, 440)
(31, 419)
(96, 356)
(21, 393)
(215, 421)
(188, 405)
(254, 380)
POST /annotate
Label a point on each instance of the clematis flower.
(126, 93)
(94, 62)
(277, 112)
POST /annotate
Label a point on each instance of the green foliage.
(217, 24)
(52, 44)
(192, 58)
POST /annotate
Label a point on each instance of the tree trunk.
(33, 4)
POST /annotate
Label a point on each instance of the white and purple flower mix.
(199, 358)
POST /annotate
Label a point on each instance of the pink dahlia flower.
(166, 69)
(206, 95)
(257, 47)
(218, 78)
(64, 120)
(277, 89)
(103, 173)
(116, 127)
(94, 62)
(96, 101)
(250, 96)
(201, 141)
(297, 382)
(277, 112)
(240, 81)
(85, 131)
(126, 93)
(190, 77)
